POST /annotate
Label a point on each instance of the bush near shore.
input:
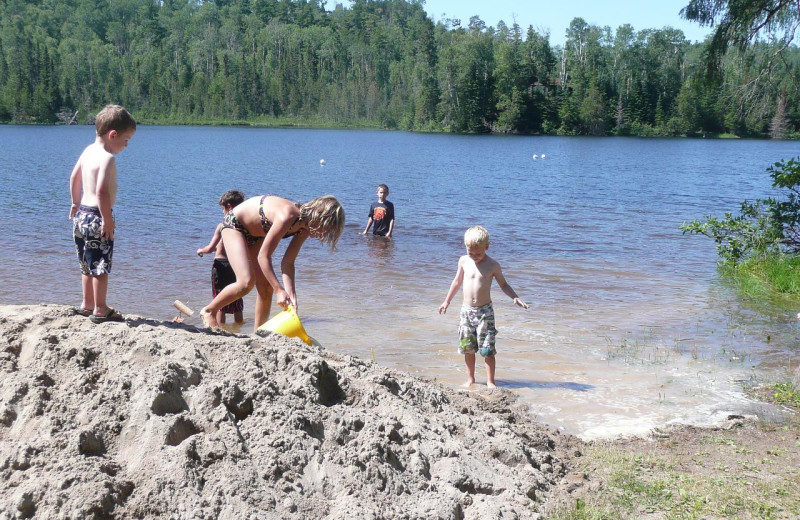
(759, 248)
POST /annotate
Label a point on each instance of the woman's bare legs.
(264, 292)
(238, 254)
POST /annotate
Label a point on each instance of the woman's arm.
(287, 265)
(282, 214)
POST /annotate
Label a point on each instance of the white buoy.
(322, 162)
(543, 156)
(534, 156)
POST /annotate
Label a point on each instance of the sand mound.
(149, 419)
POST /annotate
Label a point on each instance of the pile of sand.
(160, 420)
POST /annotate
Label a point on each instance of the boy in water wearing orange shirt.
(93, 187)
(381, 214)
(476, 329)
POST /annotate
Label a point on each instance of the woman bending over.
(251, 232)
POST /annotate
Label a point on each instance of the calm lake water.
(630, 327)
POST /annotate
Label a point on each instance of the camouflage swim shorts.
(476, 330)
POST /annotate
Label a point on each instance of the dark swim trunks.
(94, 250)
(222, 275)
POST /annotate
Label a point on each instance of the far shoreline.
(311, 125)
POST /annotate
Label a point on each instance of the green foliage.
(763, 227)
(738, 22)
(383, 63)
(786, 213)
(771, 277)
(738, 236)
(787, 393)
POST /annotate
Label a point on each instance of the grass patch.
(636, 351)
(653, 486)
(750, 470)
(774, 277)
(787, 394)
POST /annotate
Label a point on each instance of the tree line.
(379, 63)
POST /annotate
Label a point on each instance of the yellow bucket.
(287, 323)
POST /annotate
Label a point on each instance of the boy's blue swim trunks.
(94, 251)
(476, 330)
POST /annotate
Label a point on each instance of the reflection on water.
(380, 248)
(567, 385)
(629, 327)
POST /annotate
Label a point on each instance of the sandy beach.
(155, 419)
(151, 419)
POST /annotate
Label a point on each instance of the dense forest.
(378, 63)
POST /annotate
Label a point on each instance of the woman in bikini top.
(250, 234)
(231, 221)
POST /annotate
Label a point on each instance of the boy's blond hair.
(476, 236)
(327, 214)
(113, 117)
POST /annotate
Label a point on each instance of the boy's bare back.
(98, 172)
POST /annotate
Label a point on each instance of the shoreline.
(157, 419)
(324, 125)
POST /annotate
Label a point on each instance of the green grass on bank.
(650, 486)
(787, 394)
(737, 473)
(772, 277)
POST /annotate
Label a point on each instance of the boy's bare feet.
(468, 384)
(491, 385)
(209, 320)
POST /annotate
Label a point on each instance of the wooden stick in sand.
(182, 308)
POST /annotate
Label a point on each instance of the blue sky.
(555, 16)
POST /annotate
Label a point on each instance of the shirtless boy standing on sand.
(476, 330)
(93, 187)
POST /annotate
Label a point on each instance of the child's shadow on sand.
(568, 385)
(138, 321)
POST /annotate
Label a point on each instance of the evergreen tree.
(380, 63)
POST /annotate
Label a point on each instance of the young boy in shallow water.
(476, 330)
(252, 231)
(93, 187)
(222, 274)
(381, 213)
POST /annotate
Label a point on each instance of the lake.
(630, 327)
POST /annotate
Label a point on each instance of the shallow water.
(629, 328)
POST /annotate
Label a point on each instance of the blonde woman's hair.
(113, 117)
(325, 213)
(476, 236)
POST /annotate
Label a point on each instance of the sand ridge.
(152, 419)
